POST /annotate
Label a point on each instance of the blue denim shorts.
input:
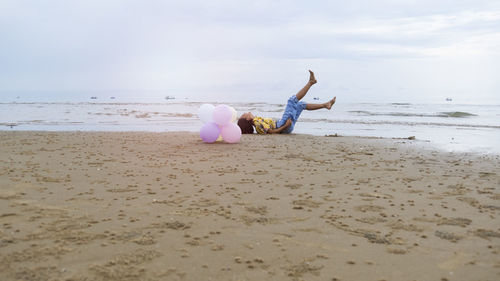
(293, 110)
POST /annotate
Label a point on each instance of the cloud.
(466, 33)
(224, 45)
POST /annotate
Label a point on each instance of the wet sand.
(166, 206)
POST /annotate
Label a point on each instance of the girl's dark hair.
(246, 126)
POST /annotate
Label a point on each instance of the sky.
(360, 50)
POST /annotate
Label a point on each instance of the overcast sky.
(392, 50)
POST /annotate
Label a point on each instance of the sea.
(446, 125)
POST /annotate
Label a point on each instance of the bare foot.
(312, 79)
(330, 103)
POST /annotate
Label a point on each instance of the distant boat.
(112, 98)
(448, 99)
(93, 98)
(169, 98)
(316, 98)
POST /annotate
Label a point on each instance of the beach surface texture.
(166, 206)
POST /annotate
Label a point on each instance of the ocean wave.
(400, 103)
(184, 115)
(401, 123)
(456, 114)
(40, 122)
(453, 114)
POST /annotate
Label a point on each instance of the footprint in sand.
(369, 208)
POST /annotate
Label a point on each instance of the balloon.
(209, 132)
(206, 113)
(222, 114)
(219, 139)
(235, 114)
(231, 133)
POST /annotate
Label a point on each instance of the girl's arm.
(278, 130)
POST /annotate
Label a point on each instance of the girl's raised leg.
(315, 106)
(303, 91)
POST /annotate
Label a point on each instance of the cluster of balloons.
(218, 122)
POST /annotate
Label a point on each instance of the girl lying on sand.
(292, 112)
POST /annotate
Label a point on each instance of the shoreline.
(144, 205)
(425, 144)
(452, 127)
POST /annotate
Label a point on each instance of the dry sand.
(165, 206)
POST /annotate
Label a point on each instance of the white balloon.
(235, 114)
(206, 112)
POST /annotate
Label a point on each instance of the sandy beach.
(165, 206)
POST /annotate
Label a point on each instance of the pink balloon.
(209, 132)
(222, 114)
(231, 133)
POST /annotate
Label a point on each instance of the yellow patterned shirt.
(262, 125)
